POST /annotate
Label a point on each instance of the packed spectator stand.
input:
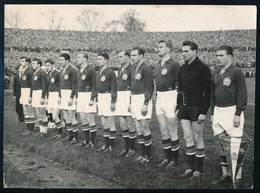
(48, 44)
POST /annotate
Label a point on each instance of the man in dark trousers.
(17, 93)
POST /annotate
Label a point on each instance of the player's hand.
(59, 100)
(30, 100)
(113, 107)
(144, 110)
(70, 102)
(14, 97)
(236, 121)
(91, 103)
(211, 118)
(42, 101)
(129, 108)
(201, 118)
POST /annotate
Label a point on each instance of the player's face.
(49, 66)
(162, 49)
(80, 59)
(187, 53)
(20, 69)
(135, 57)
(122, 58)
(62, 62)
(23, 62)
(101, 61)
(222, 58)
(35, 65)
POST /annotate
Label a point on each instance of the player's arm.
(74, 80)
(206, 86)
(113, 87)
(241, 92)
(14, 85)
(176, 69)
(93, 84)
(148, 76)
(44, 81)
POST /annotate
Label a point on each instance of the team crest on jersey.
(124, 77)
(103, 78)
(83, 77)
(164, 71)
(138, 76)
(66, 77)
(227, 81)
(24, 77)
(35, 78)
(52, 80)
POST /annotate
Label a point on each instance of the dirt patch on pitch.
(29, 170)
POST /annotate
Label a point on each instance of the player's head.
(224, 55)
(49, 64)
(137, 54)
(64, 59)
(24, 61)
(102, 59)
(19, 68)
(82, 57)
(164, 47)
(123, 57)
(36, 63)
(189, 50)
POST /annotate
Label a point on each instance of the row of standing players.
(129, 96)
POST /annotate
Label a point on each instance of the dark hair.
(49, 61)
(85, 55)
(65, 56)
(140, 50)
(228, 49)
(104, 55)
(192, 45)
(127, 53)
(27, 59)
(38, 61)
(168, 43)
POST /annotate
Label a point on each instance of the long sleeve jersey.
(166, 75)
(87, 81)
(54, 81)
(26, 81)
(195, 82)
(142, 82)
(229, 89)
(69, 80)
(124, 78)
(106, 82)
(39, 82)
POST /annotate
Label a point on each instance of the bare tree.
(130, 21)
(90, 19)
(53, 20)
(112, 26)
(14, 19)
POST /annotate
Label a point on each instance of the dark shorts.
(190, 113)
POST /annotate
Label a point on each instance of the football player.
(166, 77)
(141, 102)
(106, 85)
(123, 101)
(86, 99)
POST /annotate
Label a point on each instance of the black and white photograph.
(121, 96)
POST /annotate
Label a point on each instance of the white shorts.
(223, 121)
(166, 103)
(25, 93)
(104, 102)
(123, 101)
(53, 100)
(137, 102)
(36, 99)
(83, 103)
(65, 96)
